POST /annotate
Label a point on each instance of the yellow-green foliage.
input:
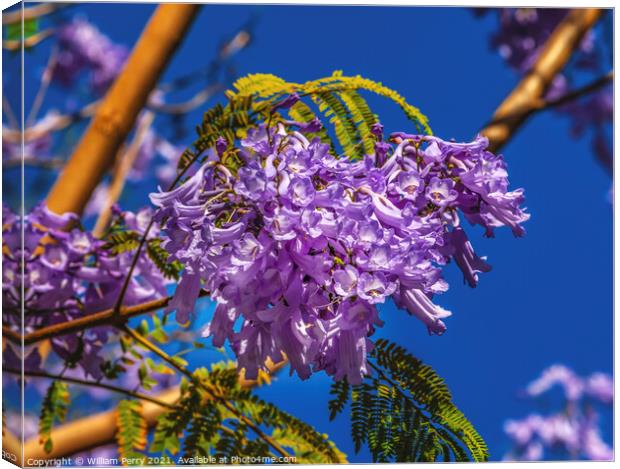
(54, 409)
(131, 431)
(338, 100)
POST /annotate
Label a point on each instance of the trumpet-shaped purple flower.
(441, 192)
(465, 257)
(286, 103)
(345, 281)
(252, 183)
(417, 303)
(600, 386)
(409, 184)
(301, 192)
(572, 385)
(374, 288)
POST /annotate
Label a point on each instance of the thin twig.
(229, 49)
(186, 106)
(8, 110)
(46, 79)
(578, 93)
(94, 384)
(47, 163)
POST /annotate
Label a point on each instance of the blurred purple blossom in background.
(67, 274)
(571, 433)
(83, 48)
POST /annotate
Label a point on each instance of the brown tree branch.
(102, 318)
(556, 52)
(117, 113)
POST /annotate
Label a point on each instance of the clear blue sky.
(549, 296)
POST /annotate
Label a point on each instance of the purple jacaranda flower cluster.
(298, 247)
(82, 47)
(519, 40)
(66, 275)
(574, 432)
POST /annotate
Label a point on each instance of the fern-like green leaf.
(430, 390)
(131, 431)
(404, 412)
(53, 410)
(202, 434)
(270, 87)
(337, 99)
(363, 118)
(230, 122)
(223, 378)
(344, 126)
(172, 425)
(159, 257)
(202, 425)
(119, 242)
(340, 83)
(340, 390)
(303, 451)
